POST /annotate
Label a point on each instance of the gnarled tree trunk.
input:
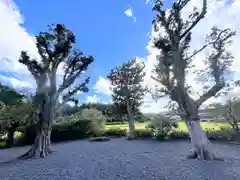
(41, 146)
(202, 148)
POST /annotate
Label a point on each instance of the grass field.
(181, 126)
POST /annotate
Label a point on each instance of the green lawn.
(182, 126)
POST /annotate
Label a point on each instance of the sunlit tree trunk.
(202, 147)
(131, 122)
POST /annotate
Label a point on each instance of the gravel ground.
(120, 159)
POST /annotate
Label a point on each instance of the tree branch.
(75, 66)
(196, 52)
(183, 4)
(81, 87)
(212, 92)
(201, 16)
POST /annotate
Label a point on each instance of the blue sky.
(101, 27)
(111, 31)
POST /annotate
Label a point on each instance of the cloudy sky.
(113, 32)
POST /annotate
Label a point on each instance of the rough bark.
(131, 122)
(202, 148)
(41, 146)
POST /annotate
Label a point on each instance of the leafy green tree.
(55, 47)
(128, 91)
(9, 96)
(11, 117)
(174, 62)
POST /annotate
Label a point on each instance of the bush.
(143, 133)
(174, 135)
(97, 118)
(221, 135)
(161, 126)
(115, 132)
(62, 131)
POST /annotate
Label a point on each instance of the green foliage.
(97, 118)
(127, 79)
(161, 126)
(143, 133)
(71, 131)
(115, 132)
(9, 96)
(221, 135)
(62, 131)
(177, 135)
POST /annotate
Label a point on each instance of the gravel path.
(120, 159)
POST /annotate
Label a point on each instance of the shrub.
(64, 130)
(174, 135)
(143, 133)
(221, 135)
(101, 138)
(97, 118)
(71, 131)
(115, 132)
(161, 126)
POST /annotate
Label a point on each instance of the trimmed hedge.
(73, 131)
(60, 132)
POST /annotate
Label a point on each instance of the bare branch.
(183, 3)
(201, 16)
(212, 92)
(196, 52)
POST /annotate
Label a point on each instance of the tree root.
(36, 153)
(203, 154)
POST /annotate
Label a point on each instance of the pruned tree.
(175, 60)
(128, 91)
(55, 47)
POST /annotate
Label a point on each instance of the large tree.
(175, 60)
(128, 91)
(56, 48)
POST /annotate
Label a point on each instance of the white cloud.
(13, 39)
(222, 13)
(93, 99)
(148, 1)
(129, 13)
(103, 86)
